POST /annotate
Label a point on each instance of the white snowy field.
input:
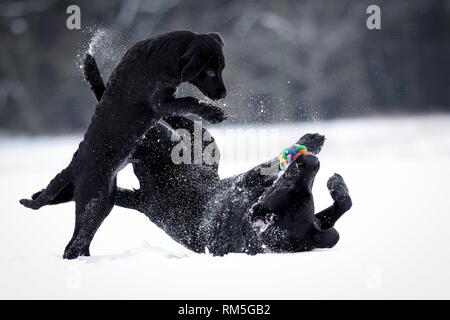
(394, 241)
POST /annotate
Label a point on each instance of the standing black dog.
(255, 212)
(140, 91)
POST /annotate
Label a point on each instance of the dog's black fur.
(254, 212)
(140, 91)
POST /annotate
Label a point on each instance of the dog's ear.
(191, 64)
(217, 37)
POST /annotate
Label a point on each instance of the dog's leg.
(260, 177)
(342, 202)
(323, 239)
(65, 195)
(94, 198)
(189, 105)
(45, 196)
(130, 199)
(266, 173)
(58, 191)
(180, 122)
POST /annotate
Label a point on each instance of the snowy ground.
(394, 241)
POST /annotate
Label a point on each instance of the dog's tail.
(93, 76)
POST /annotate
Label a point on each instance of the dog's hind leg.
(266, 173)
(130, 199)
(59, 189)
(65, 195)
(46, 196)
(342, 202)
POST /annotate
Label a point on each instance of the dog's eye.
(210, 73)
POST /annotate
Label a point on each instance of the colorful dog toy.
(290, 154)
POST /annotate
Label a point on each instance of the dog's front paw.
(338, 188)
(313, 142)
(212, 114)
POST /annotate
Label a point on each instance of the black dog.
(253, 212)
(140, 91)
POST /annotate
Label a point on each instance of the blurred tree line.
(286, 60)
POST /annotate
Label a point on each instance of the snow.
(394, 241)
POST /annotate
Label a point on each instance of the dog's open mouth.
(262, 224)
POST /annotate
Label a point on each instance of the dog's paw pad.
(337, 187)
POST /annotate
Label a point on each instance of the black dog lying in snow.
(140, 91)
(252, 212)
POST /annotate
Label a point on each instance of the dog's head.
(290, 199)
(202, 65)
